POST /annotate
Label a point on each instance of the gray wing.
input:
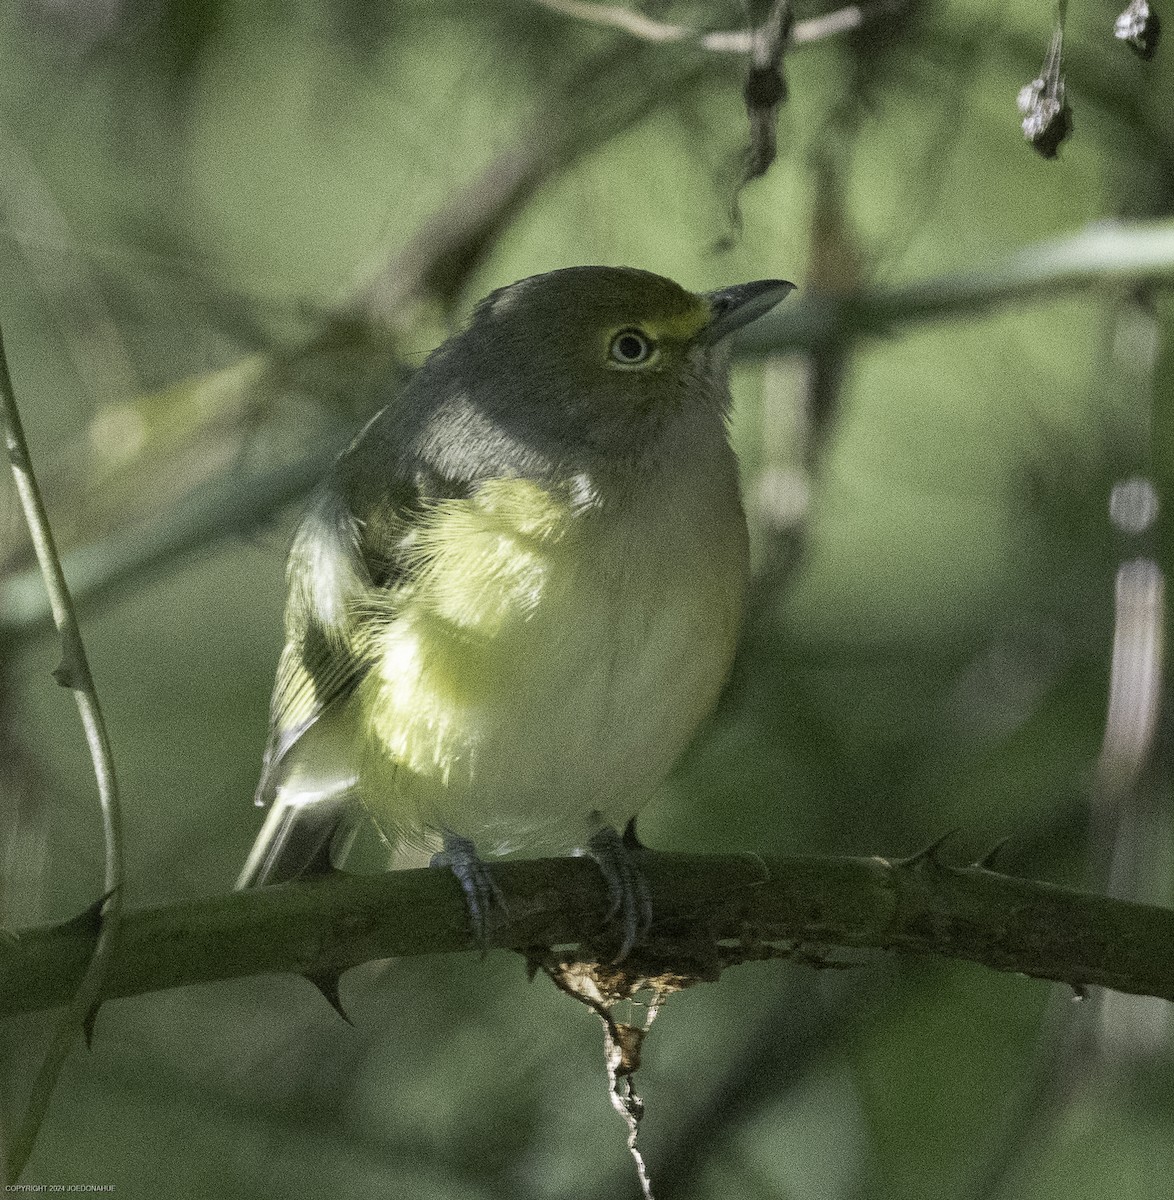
(318, 669)
(338, 557)
(321, 663)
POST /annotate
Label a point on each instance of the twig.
(72, 672)
(623, 1041)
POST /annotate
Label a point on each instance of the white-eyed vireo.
(518, 591)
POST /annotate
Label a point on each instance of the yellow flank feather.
(550, 658)
(483, 561)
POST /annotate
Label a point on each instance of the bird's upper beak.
(733, 307)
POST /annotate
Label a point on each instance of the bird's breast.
(549, 656)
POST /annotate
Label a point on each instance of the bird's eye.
(631, 347)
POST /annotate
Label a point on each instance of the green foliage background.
(188, 184)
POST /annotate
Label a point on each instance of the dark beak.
(736, 306)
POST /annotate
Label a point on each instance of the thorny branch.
(710, 912)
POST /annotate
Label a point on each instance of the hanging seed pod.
(1047, 117)
(1139, 28)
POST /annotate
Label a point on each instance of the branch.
(72, 672)
(1116, 253)
(710, 911)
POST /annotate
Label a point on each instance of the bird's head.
(589, 365)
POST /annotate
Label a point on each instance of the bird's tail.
(304, 833)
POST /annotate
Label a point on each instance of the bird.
(516, 595)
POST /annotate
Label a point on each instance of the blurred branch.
(711, 911)
(72, 672)
(1117, 253)
(140, 552)
(799, 410)
(34, 224)
(608, 94)
(735, 41)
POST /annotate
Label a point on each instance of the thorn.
(88, 1024)
(535, 961)
(1079, 993)
(760, 862)
(630, 839)
(327, 984)
(63, 674)
(89, 919)
(930, 853)
(987, 862)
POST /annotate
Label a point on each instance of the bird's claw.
(478, 885)
(617, 859)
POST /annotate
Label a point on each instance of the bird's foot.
(618, 860)
(481, 891)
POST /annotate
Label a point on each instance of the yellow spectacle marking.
(682, 326)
